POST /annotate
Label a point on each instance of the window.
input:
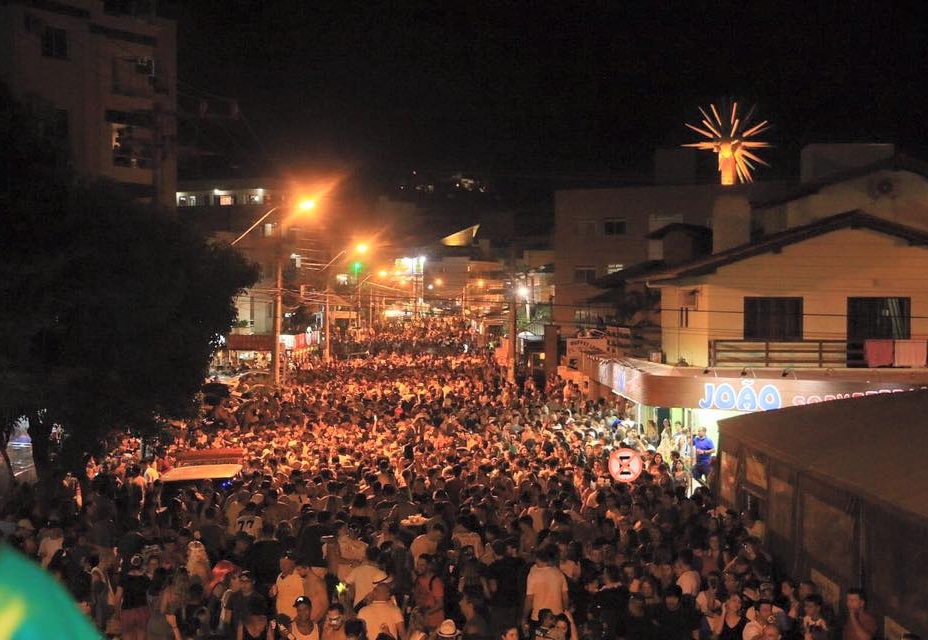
(182, 201)
(612, 268)
(586, 228)
(874, 318)
(145, 66)
(192, 201)
(614, 227)
(55, 43)
(255, 199)
(584, 274)
(776, 319)
(226, 200)
(132, 147)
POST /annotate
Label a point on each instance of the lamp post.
(305, 205)
(327, 311)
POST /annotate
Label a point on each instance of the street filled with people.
(413, 493)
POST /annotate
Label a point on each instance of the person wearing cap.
(288, 586)
(302, 626)
(382, 614)
(242, 600)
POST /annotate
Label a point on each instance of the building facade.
(104, 76)
(599, 232)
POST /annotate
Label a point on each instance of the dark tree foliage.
(109, 310)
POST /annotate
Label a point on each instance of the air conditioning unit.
(882, 187)
(688, 298)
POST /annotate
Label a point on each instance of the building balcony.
(816, 354)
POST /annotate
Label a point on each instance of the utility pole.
(513, 310)
(278, 314)
(327, 325)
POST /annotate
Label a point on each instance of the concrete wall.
(824, 271)
(901, 196)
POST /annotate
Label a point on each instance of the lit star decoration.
(732, 142)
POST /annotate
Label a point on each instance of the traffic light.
(356, 266)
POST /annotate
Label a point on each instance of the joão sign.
(658, 386)
(747, 396)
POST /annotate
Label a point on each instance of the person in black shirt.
(674, 620)
(502, 578)
(611, 600)
(309, 539)
(636, 624)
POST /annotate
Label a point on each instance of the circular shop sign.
(625, 465)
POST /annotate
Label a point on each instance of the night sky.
(550, 88)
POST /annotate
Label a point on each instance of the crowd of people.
(416, 493)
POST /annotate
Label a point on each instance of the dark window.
(614, 227)
(145, 66)
(584, 274)
(874, 318)
(777, 319)
(55, 43)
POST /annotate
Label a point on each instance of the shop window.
(182, 201)
(226, 200)
(55, 43)
(774, 319)
(614, 227)
(584, 274)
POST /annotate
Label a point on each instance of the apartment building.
(103, 76)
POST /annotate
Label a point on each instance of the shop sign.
(747, 396)
(625, 465)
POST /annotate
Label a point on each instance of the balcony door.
(875, 318)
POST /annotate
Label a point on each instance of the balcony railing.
(819, 354)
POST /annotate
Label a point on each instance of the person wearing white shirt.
(688, 579)
(288, 587)
(546, 587)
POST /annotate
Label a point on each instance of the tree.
(111, 310)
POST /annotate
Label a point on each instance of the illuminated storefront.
(699, 397)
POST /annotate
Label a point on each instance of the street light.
(327, 315)
(304, 205)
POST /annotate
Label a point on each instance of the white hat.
(448, 629)
(381, 577)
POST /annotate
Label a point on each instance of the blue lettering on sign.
(725, 398)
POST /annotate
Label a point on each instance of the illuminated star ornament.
(731, 141)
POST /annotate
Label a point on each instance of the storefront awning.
(239, 342)
(659, 385)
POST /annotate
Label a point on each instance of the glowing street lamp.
(305, 206)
